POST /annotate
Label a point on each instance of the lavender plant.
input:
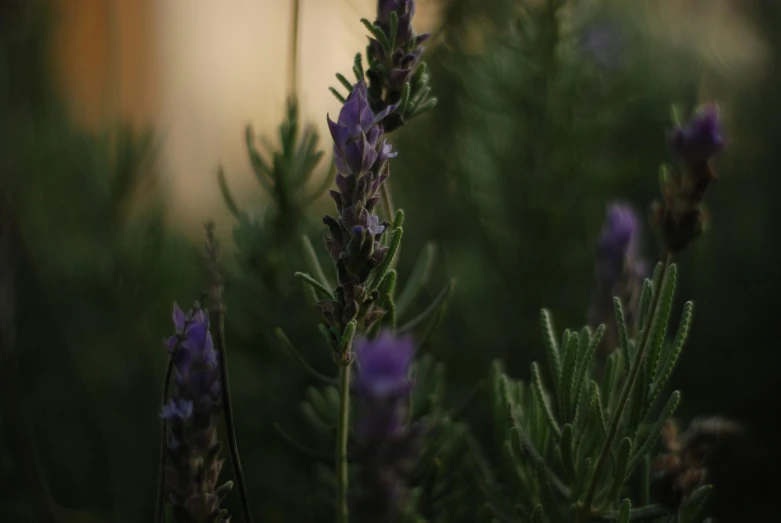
(363, 247)
(569, 449)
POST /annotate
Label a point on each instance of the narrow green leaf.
(296, 355)
(314, 261)
(418, 78)
(420, 275)
(669, 363)
(568, 376)
(337, 94)
(438, 302)
(358, 67)
(538, 516)
(596, 401)
(546, 490)
(345, 82)
(659, 329)
(346, 341)
(623, 336)
(544, 399)
(567, 458)
(421, 108)
(619, 473)
(624, 511)
(230, 203)
(653, 435)
(394, 28)
(263, 172)
(583, 366)
(325, 291)
(551, 346)
(404, 100)
(378, 34)
(387, 260)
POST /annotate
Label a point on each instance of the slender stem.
(343, 433)
(294, 49)
(228, 408)
(626, 391)
(163, 442)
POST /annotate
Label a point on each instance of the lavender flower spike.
(700, 139)
(387, 444)
(361, 156)
(193, 465)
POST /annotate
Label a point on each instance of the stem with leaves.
(626, 391)
(212, 259)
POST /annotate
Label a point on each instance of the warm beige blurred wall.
(105, 53)
(200, 70)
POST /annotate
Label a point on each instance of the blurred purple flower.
(701, 138)
(388, 446)
(618, 238)
(619, 270)
(383, 365)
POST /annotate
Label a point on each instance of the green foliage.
(550, 438)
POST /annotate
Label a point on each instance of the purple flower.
(192, 413)
(383, 365)
(618, 238)
(619, 271)
(387, 445)
(701, 138)
(177, 408)
(357, 133)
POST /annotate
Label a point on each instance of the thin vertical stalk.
(160, 504)
(626, 391)
(294, 49)
(228, 409)
(343, 432)
(212, 251)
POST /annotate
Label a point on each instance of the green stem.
(228, 408)
(160, 506)
(626, 391)
(343, 433)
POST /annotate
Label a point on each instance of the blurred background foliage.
(539, 125)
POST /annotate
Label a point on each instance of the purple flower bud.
(357, 132)
(701, 138)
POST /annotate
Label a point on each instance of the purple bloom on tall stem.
(357, 132)
(701, 138)
(192, 412)
(387, 444)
